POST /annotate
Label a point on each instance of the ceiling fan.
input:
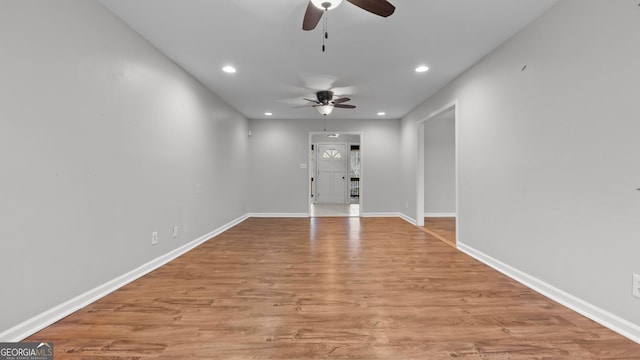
(316, 8)
(325, 102)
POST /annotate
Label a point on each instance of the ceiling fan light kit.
(325, 109)
(326, 5)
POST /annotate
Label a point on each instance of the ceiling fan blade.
(379, 7)
(341, 100)
(344, 106)
(311, 17)
(301, 106)
(313, 101)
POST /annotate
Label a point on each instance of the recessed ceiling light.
(268, 114)
(422, 68)
(382, 113)
(229, 69)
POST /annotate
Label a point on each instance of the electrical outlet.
(406, 205)
(154, 238)
(636, 285)
(175, 231)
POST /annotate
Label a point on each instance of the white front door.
(332, 173)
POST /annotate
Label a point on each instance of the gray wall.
(102, 141)
(440, 165)
(344, 138)
(278, 147)
(547, 156)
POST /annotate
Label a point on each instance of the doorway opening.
(437, 185)
(335, 174)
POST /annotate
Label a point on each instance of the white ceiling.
(368, 58)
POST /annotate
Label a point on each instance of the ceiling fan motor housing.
(324, 96)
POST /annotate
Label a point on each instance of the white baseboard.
(601, 316)
(39, 322)
(278, 215)
(439, 215)
(380, 214)
(408, 219)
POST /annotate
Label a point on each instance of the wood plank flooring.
(329, 288)
(443, 228)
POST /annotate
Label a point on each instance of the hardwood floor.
(341, 288)
(442, 228)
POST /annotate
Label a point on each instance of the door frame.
(310, 173)
(420, 184)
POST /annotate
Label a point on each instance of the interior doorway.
(335, 174)
(437, 185)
